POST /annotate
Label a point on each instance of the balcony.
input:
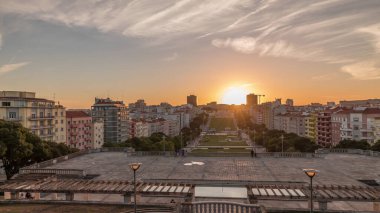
(42, 127)
(7, 118)
(35, 118)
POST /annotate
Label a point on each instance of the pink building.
(79, 130)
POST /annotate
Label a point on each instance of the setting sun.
(235, 95)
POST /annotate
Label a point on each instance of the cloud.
(342, 32)
(11, 67)
(173, 57)
(364, 70)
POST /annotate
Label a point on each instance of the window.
(41, 114)
(61, 113)
(12, 115)
(61, 129)
(61, 121)
(56, 113)
(56, 122)
(6, 104)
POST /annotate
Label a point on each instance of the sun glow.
(235, 95)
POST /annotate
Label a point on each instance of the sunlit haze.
(235, 95)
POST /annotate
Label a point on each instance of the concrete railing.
(349, 151)
(76, 172)
(258, 155)
(216, 207)
(56, 160)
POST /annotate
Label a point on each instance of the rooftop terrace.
(342, 169)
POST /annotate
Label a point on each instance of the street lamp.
(311, 173)
(134, 167)
(282, 145)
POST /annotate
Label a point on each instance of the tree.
(19, 148)
(15, 150)
(351, 144)
(376, 146)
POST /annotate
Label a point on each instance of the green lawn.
(221, 140)
(220, 124)
(218, 150)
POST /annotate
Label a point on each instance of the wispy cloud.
(343, 32)
(172, 57)
(364, 70)
(6, 68)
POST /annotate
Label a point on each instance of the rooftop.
(342, 169)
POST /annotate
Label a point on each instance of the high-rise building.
(252, 100)
(192, 99)
(289, 102)
(33, 113)
(114, 114)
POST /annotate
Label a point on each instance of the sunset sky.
(164, 50)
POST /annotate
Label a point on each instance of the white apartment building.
(97, 134)
(291, 123)
(59, 113)
(356, 124)
(36, 114)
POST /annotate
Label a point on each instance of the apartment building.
(36, 114)
(97, 134)
(324, 134)
(59, 113)
(340, 125)
(291, 123)
(79, 130)
(114, 114)
(311, 126)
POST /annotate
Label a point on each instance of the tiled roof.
(76, 114)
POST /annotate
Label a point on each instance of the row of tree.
(19, 148)
(159, 141)
(362, 144)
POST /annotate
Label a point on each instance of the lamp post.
(134, 167)
(254, 140)
(311, 173)
(282, 145)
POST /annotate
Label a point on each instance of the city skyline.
(73, 52)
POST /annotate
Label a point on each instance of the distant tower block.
(252, 100)
(192, 99)
(289, 102)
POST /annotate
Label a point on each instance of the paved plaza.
(342, 169)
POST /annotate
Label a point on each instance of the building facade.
(36, 114)
(97, 134)
(79, 130)
(59, 113)
(114, 114)
(252, 100)
(192, 99)
(311, 126)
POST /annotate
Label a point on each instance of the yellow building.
(36, 114)
(311, 126)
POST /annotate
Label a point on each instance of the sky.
(163, 50)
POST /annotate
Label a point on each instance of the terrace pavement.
(342, 169)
